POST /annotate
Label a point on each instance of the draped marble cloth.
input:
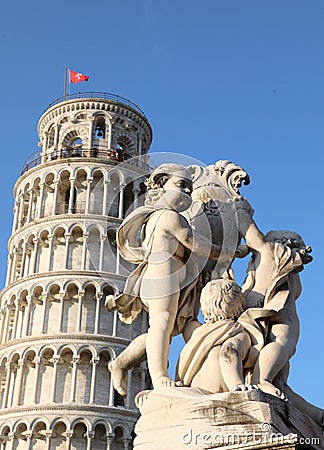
(254, 321)
(129, 241)
(203, 339)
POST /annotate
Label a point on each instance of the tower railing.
(113, 156)
(98, 95)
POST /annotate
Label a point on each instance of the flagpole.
(65, 76)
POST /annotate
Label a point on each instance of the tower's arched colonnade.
(57, 338)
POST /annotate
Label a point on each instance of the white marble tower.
(56, 336)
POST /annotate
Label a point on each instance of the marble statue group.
(183, 242)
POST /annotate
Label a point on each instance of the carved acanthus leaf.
(232, 176)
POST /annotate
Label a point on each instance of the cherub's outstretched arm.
(254, 237)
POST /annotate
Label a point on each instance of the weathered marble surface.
(185, 418)
(233, 370)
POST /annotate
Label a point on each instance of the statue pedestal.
(185, 418)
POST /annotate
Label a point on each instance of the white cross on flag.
(76, 77)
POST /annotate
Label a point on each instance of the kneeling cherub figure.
(212, 360)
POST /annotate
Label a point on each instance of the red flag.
(76, 77)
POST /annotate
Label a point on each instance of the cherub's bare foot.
(269, 388)
(119, 377)
(244, 387)
(165, 381)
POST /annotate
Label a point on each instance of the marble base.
(185, 418)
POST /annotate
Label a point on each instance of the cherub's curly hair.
(221, 299)
(158, 178)
(155, 189)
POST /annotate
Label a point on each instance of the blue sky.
(218, 79)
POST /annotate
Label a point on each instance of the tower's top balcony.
(92, 124)
(79, 153)
(98, 95)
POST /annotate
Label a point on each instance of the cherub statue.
(270, 291)
(165, 274)
(213, 357)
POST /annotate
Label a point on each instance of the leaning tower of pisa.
(56, 336)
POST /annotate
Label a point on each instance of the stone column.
(2, 382)
(110, 198)
(30, 204)
(110, 440)
(105, 198)
(34, 256)
(142, 372)
(29, 443)
(71, 199)
(16, 213)
(20, 319)
(10, 267)
(36, 379)
(14, 264)
(126, 442)
(121, 201)
(18, 384)
(90, 136)
(67, 242)
(95, 360)
(55, 195)
(115, 321)
(6, 324)
(69, 435)
(140, 144)
(144, 324)
(3, 320)
(23, 260)
(79, 317)
(56, 136)
(41, 197)
(61, 316)
(54, 381)
(25, 331)
(136, 191)
(11, 440)
(102, 252)
(117, 261)
(28, 251)
(110, 134)
(50, 252)
(44, 309)
(9, 366)
(97, 314)
(21, 211)
(84, 250)
(89, 435)
(87, 206)
(76, 360)
(129, 388)
(45, 140)
(48, 435)
(111, 399)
